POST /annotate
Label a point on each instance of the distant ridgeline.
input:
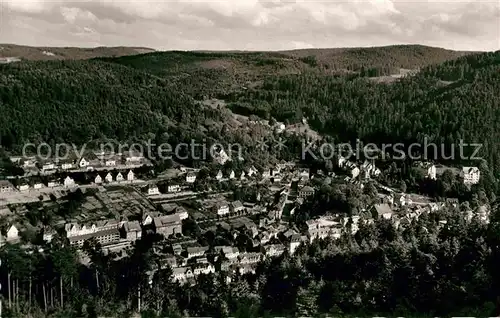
(454, 96)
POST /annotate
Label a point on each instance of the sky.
(251, 24)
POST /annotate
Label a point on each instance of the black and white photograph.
(249, 158)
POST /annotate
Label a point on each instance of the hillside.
(395, 56)
(65, 53)
(215, 73)
(143, 96)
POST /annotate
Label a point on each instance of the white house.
(66, 166)
(110, 163)
(37, 186)
(119, 177)
(190, 177)
(221, 208)
(219, 175)
(23, 187)
(108, 178)
(173, 188)
(69, 182)
(48, 166)
(98, 179)
(130, 176)
(12, 233)
(242, 176)
(295, 242)
(471, 175)
(431, 172)
(153, 190)
(52, 184)
(83, 163)
(251, 171)
(354, 172)
(232, 175)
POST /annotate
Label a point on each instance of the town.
(235, 221)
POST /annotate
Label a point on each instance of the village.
(198, 231)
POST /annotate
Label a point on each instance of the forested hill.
(140, 96)
(394, 56)
(31, 53)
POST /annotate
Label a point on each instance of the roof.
(5, 183)
(307, 189)
(237, 204)
(295, 238)
(133, 226)
(96, 234)
(197, 249)
(167, 220)
(470, 169)
(383, 208)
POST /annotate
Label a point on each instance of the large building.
(167, 225)
(105, 232)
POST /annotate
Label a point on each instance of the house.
(6, 186)
(266, 174)
(401, 199)
(454, 202)
(306, 191)
(219, 176)
(153, 190)
(67, 166)
(471, 175)
(173, 188)
(182, 274)
(52, 183)
(105, 232)
(190, 177)
(69, 182)
(177, 249)
(221, 208)
(232, 175)
(383, 211)
(23, 187)
(228, 251)
(220, 156)
(274, 250)
(304, 174)
(98, 179)
(12, 234)
(48, 166)
(341, 161)
(430, 171)
(108, 178)
(196, 251)
(205, 268)
(236, 207)
(167, 225)
(132, 157)
(37, 185)
(295, 242)
(130, 176)
(251, 171)
(249, 258)
(110, 163)
(119, 177)
(132, 230)
(354, 172)
(243, 176)
(148, 218)
(83, 163)
(276, 178)
(48, 234)
(28, 163)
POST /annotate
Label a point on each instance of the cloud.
(251, 24)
